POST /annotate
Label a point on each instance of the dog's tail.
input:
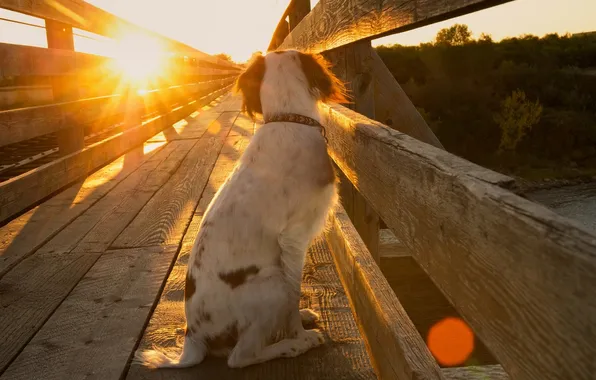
(192, 354)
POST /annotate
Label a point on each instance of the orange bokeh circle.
(451, 341)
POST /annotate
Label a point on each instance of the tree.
(485, 38)
(517, 117)
(456, 35)
(224, 56)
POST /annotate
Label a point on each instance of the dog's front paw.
(308, 317)
(313, 338)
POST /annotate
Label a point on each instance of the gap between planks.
(21, 332)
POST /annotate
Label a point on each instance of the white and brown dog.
(243, 280)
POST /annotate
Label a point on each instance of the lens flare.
(451, 341)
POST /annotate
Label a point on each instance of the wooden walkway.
(98, 270)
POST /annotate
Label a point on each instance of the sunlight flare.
(139, 59)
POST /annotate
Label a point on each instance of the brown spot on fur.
(322, 82)
(249, 84)
(237, 277)
(226, 339)
(189, 286)
(204, 316)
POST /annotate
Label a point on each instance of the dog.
(242, 289)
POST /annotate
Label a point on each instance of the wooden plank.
(31, 292)
(20, 192)
(486, 372)
(352, 65)
(390, 246)
(281, 32)
(98, 325)
(393, 104)
(26, 123)
(26, 305)
(535, 270)
(339, 22)
(194, 125)
(82, 15)
(164, 219)
(25, 234)
(299, 9)
(395, 347)
(121, 213)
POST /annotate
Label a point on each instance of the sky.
(241, 27)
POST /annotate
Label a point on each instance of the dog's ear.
(323, 83)
(249, 84)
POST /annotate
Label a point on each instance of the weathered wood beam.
(362, 87)
(396, 349)
(281, 32)
(21, 192)
(71, 136)
(335, 23)
(522, 276)
(393, 104)
(82, 15)
(299, 10)
(26, 123)
(19, 60)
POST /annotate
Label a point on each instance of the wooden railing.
(523, 277)
(193, 79)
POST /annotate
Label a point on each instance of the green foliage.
(458, 34)
(459, 88)
(517, 116)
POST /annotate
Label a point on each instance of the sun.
(139, 58)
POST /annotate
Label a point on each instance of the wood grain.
(25, 123)
(485, 372)
(334, 23)
(23, 191)
(352, 66)
(95, 329)
(522, 276)
(395, 347)
(31, 292)
(25, 234)
(130, 203)
(166, 216)
(29, 303)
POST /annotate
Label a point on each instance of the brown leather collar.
(294, 118)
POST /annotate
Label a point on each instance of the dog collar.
(294, 118)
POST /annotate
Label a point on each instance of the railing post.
(300, 8)
(72, 137)
(280, 34)
(352, 64)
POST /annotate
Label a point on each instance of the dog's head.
(282, 74)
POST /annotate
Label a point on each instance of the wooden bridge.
(95, 238)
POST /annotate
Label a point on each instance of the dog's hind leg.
(272, 316)
(193, 353)
(285, 348)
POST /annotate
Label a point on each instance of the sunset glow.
(240, 27)
(139, 58)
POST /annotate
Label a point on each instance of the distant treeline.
(524, 106)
